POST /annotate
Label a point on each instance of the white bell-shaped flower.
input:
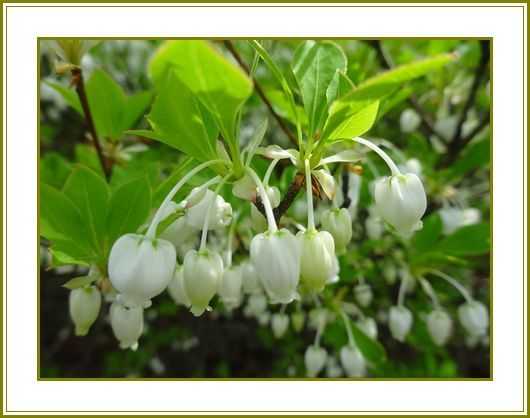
(400, 200)
(374, 227)
(368, 326)
(439, 325)
(176, 288)
(315, 359)
(220, 214)
(230, 287)
(279, 324)
(203, 271)
(400, 322)
(259, 223)
(412, 165)
(317, 263)
(140, 268)
(298, 320)
(276, 258)
(251, 282)
(127, 324)
(363, 295)
(339, 224)
(84, 305)
(454, 218)
(474, 317)
(352, 361)
(334, 276)
(264, 318)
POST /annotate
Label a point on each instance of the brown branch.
(79, 84)
(230, 46)
(427, 124)
(457, 142)
(297, 183)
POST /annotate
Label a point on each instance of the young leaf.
(135, 106)
(315, 65)
(90, 194)
(54, 169)
(256, 140)
(69, 95)
(344, 125)
(221, 86)
(475, 155)
(129, 208)
(179, 120)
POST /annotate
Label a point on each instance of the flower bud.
(315, 360)
(220, 213)
(374, 227)
(368, 326)
(140, 268)
(412, 165)
(276, 258)
(279, 324)
(298, 320)
(400, 322)
(84, 304)
(202, 274)
(176, 288)
(230, 287)
(327, 183)
(439, 325)
(363, 295)
(264, 318)
(317, 263)
(352, 361)
(400, 200)
(127, 324)
(250, 278)
(259, 223)
(256, 304)
(474, 318)
(338, 223)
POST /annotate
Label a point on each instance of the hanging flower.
(439, 325)
(230, 287)
(317, 259)
(127, 324)
(352, 361)
(176, 288)
(315, 359)
(400, 322)
(140, 268)
(279, 324)
(474, 318)
(339, 224)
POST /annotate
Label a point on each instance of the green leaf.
(90, 194)
(256, 139)
(78, 282)
(340, 85)
(86, 155)
(59, 217)
(221, 86)
(345, 125)
(54, 169)
(315, 65)
(107, 103)
(371, 349)
(475, 155)
(467, 241)
(135, 107)
(379, 87)
(62, 258)
(69, 95)
(179, 120)
(129, 208)
(425, 239)
(383, 84)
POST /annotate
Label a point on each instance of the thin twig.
(458, 142)
(79, 84)
(297, 183)
(230, 46)
(427, 124)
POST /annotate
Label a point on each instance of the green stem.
(309, 192)
(265, 199)
(454, 283)
(393, 167)
(204, 234)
